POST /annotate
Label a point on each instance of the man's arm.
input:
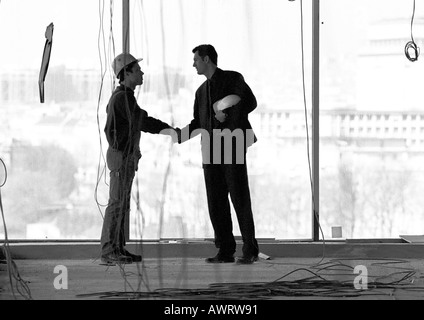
(248, 101)
(152, 125)
(186, 133)
(156, 126)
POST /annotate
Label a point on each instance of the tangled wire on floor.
(314, 286)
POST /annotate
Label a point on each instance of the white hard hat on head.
(121, 61)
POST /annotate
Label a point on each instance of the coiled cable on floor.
(323, 282)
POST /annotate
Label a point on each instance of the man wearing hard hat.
(125, 121)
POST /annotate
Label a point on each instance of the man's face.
(136, 75)
(199, 63)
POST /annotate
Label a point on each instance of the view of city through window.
(371, 115)
(372, 119)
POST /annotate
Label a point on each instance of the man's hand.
(220, 116)
(176, 135)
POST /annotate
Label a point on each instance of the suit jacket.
(222, 84)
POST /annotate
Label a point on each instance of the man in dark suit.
(226, 135)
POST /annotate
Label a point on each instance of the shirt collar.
(216, 75)
(124, 88)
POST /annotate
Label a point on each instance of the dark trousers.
(223, 180)
(122, 172)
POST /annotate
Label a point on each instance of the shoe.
(116, 258)
(220, 258)
(247, 259)
(134, 257)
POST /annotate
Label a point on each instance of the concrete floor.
(193, 279)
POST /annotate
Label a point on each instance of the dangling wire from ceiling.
(101, 169)
(106, 49)
(315, 209)
(412, 51)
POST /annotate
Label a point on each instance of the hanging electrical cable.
(15, 279)
(105, 63)
(139, 213)
(111, 42)
(136, 193)
(106, 51)
(412, 51)
(145, 88)
(101, 167)
(315, 209)
(170, 149)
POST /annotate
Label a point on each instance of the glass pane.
(261, 40)
(51, 149)
(58, 185)
(372, 117)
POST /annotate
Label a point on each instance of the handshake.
(222, 109)
(174, 133)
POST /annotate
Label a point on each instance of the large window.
(260, 39)
(371, 115)
(371, 120)
(58, 185)
(51, 149)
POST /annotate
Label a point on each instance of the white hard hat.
(122, 61)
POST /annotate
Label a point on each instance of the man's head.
(127, 70)
(205, 59)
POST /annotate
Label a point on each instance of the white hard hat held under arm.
(226, 102)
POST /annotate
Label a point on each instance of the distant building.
(61, 85)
